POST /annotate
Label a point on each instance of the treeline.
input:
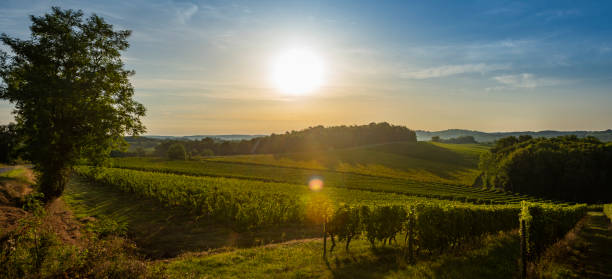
(563, 168)
(460, 140)
(311, 139)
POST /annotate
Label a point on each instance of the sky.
(203, 67)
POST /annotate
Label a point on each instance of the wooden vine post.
(324, 236)
(523, 250)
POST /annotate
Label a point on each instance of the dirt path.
(589, 254)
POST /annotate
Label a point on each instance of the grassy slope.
(496, 257)
(423, 161)
(585, 253)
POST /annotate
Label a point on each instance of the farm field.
(217, 218)
(283, 251)
(331, 179)
(294, 171)
(297, 251)
(422, 161)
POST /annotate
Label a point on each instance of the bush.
(563, 168)
(177, 152)
(607, 209)
(34, 250)
(546, 224)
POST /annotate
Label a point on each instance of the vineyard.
(421, 225)
(353, 206)
(332, 179)
(244, 203)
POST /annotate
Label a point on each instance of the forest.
(310, 139)
(567, 168)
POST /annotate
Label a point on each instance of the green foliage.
(33, 203)
(545, 224)
(222, 200)
(10, 141)
(422, 161)
(607, 209)
(245, 204)
(176, 151)
(426, 226)
(105, 226)
(207, 152)
(564, 168)
(72, 95)
(311, 139)
(34, 250)
(457, 140)
(333, 179)
(345, 223)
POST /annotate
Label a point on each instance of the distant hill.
(490, 137)
(422, 135)
(199, 137)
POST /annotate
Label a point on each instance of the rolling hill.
(605, 135)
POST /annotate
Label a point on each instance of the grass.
(583, 253)
(495, 257)
(422, 161)
(18, 173)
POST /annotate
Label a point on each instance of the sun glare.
(315, 184)
(297, 71)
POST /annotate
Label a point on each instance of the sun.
(297, 71)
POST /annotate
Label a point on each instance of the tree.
(435, 139)
(563, 168)
(72, 95)
(9, 142)
(177, 152)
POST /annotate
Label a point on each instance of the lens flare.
(315, 184)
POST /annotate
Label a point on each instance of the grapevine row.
(332, 179)
(544, 224)
(421, 227)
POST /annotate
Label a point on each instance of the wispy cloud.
(450, 70)
(184, 12)
(522, 81)
(550, 15)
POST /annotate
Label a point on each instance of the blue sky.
(202, 66)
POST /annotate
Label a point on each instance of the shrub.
(177, 152)
(563, 168)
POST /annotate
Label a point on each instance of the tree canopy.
(313, 138)
(564, 168)
(457, 140)
(72, 95)
(9, 143)
(176, 151)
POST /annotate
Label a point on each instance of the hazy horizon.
(205, 67)
(423, 130)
